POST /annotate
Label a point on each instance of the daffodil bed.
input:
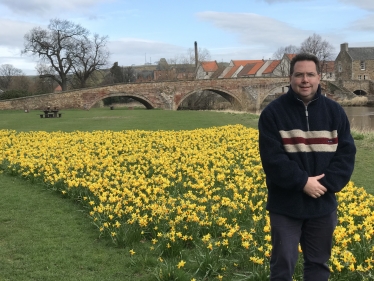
(197, 197)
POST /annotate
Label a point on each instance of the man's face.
(305, 80)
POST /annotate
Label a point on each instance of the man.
(308, 155)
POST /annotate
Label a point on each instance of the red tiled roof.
(290, 56)
(239, 63)
(209, 66)
(244, 62)
(256, 68)
(271, 67)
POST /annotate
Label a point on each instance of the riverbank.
(357, 101)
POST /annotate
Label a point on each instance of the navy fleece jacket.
(298, 141)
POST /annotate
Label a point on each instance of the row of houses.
(234, 69)
(352, 63)
(256, 68)
(355, 63)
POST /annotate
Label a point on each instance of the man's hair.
(304, 57)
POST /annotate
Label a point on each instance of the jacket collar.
(296, 96)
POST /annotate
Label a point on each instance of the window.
(362, 65)
(339, 66)
(359, 77)
(365, 77)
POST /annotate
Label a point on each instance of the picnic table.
(50, 113)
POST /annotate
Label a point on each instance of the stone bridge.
(360, 88)
(243, 93)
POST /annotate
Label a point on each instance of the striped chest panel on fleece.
(309, 141)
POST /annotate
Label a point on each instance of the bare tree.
(316, 45)
(202, 55)
(46, 83)
(20, 83)
(189, 58)
(175, 60)
(290, 49)
(7, 73)
(57, 47)
(284, 66)
(90, 55)
(321, 48)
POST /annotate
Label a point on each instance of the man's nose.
(304, 78)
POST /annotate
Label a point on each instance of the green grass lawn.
(44, 236)
(121, 119)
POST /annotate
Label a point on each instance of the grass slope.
(45, 237)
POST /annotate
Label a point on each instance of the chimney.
(344, 47)
(196, 54)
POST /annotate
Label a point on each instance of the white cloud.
(364, 4)
(128, 51)
(43, 7)
(366, 24)
(12, 32)
(256, 30)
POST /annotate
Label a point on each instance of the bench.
(52, 114)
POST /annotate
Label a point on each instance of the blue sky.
(146, 31)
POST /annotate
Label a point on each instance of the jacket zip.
(307, 116)
(306, 111)
(306, 108)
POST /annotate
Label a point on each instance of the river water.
(360, 117)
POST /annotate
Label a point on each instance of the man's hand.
(314, 188)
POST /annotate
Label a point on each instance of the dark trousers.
(315, 238)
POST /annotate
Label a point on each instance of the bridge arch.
(231, 98)
(139, 98)
(278, 88)
(360, 93)
(259, 93)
